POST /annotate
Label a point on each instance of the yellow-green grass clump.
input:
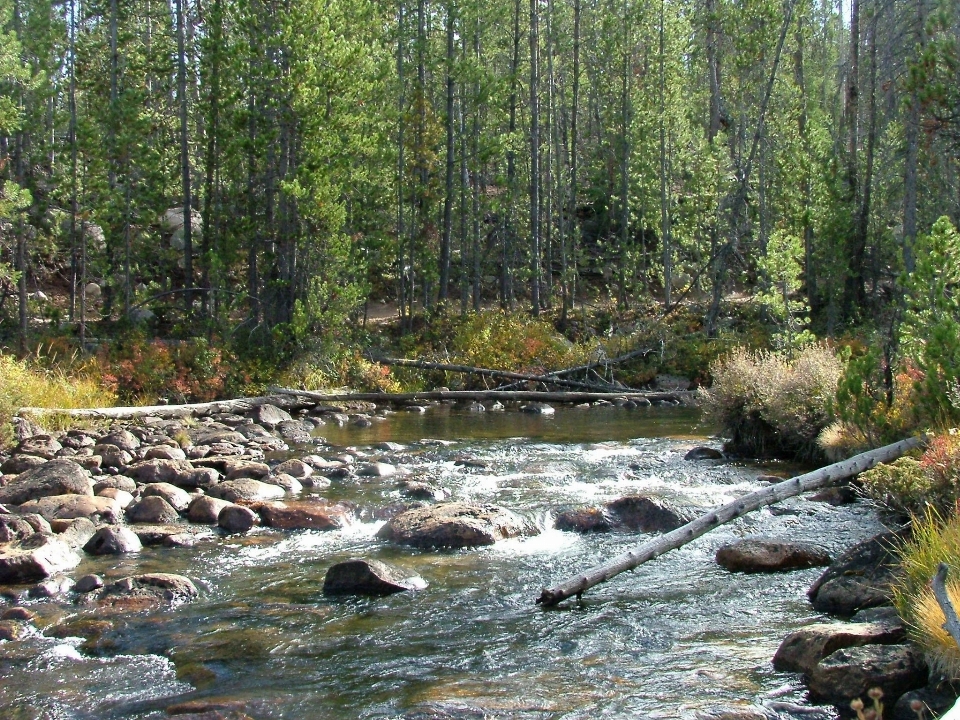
(26, 384)
(934, 541)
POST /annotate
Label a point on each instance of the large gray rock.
(19, 463)
(68, 507)
(239, 469)
(295, 431)
(860, 578)
(175, 472)
(849, 673)
(762, 555)
(112, 456)
(269, 416)
(120, 482)
(237, 519)
(164, 452)
(206, 509)
(455, 525)
(44, 446)
(295, 468)
(154, 510)
(113, 540)
(305, 515)
(247, 490)
(179, 499)
(358, 576)
(377, 469)
(647, 514)
(802, 649)
(123, 439)
(55, 477)
(36, 558)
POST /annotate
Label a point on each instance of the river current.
(677, 638)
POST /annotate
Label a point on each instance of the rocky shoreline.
(173, 482)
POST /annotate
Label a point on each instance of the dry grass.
(934, 541)
(772, 406)
(24, 383)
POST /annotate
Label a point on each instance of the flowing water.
(672, 639)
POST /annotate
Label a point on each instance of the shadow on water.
(669, 640)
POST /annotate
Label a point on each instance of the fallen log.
(685, 397)
(952, 624)
(239, 405)
(499, 374)
(651, 549)
(293, 399)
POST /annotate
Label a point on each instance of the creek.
(673, 639)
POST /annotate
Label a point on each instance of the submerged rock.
(455, 525)
(305, 515)
(113, 540)
(647, 514)
(762, 555)
(703, 453)
(141, 592)
(358, 576)
(584, 520)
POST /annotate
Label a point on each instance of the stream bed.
(677, 638)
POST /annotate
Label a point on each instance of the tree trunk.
(448, 179)
(534, 158)
(184, 155)
(656, 547)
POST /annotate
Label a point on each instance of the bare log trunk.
(651, 549)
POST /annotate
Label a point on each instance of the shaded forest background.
(257, 172)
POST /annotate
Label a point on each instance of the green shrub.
(772, 406)
(916, 487)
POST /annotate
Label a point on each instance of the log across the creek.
(580, 583)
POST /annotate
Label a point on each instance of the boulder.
(377, 469)
(18, 464)
(583, 520)
(269, 416)
(850, 672)
(703, 453)
(88, 583)
(123, 498)
(123, 439)
(762, 555)
(246, 490)
(216, 436)
(54, 477)
(802, 649)
(51, 587)
(305, 515)
(75, 533)
(14, 528)
(295, 468)
(455, 525)
(253, 431)
(202, 477)
(67, 507)
(289, 483)
(164, 452)
(175, 472)
(179, 499)
(154, 535)
(120, 482)
(358, 576)
(154, 510)
(423, 491)
(144, 591)
(205, 509)
(113, 540)
(537, 408)
(860, 578)
(36, 558)
(646, 514)
(237, 519)
(112, 456)
(295, 431)
(238, 469)
(44, 446)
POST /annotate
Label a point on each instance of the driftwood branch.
(546, 377)
(828, 475)
(487, 372)
(952, 624)
(239, 405)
